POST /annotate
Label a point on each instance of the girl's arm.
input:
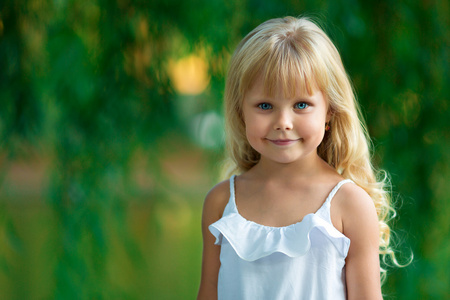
(360, 225)
(213, 207)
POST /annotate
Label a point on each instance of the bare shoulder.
(360, 225)
(215, 201)
(353, 198)
(356, 209)
(213, 208)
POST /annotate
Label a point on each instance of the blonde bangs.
(287, 66)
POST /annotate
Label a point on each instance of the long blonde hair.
(291, 50)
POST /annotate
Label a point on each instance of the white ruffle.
(253, 241)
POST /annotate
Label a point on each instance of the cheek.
(311, 128)
(311, 124)
(253, 124)
(251, 130)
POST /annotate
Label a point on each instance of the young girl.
(305, 217)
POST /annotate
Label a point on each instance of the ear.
(329, 109)
(329, 115)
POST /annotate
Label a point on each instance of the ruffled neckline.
(252, 241)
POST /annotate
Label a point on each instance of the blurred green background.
(111, 134)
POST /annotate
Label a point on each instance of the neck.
(309, 168)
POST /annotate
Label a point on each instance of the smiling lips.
(283, 142)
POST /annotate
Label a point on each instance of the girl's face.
(284, 130)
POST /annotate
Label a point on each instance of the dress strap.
(324, 211)
(336, 189)
(232, 188)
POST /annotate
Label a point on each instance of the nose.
(283, 121)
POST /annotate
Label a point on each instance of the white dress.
(304, 260)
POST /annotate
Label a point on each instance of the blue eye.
(265, 106)
(301, 105)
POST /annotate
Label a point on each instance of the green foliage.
(87, 86)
